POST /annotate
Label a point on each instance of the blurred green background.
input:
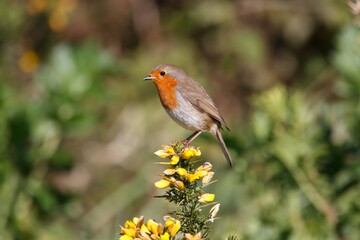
(78, 126)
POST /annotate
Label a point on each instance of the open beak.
(149, 78)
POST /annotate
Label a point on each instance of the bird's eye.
(162, 73)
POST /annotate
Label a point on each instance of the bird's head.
(165, 74)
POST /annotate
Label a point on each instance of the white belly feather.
(189, 117)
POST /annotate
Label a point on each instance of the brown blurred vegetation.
(78, 126)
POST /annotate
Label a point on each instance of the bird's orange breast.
(167, 94)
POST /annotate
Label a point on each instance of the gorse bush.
(184, 181)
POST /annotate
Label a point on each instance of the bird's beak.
(149, 78)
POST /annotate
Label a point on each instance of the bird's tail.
(223, 147)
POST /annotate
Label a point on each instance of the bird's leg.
(191, 138)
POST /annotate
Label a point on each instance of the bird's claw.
(186, 143)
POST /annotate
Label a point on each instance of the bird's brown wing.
(195, 94)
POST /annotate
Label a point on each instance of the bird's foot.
(186, 143)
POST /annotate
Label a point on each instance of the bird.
(188, 104)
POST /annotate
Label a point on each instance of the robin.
(188, 104)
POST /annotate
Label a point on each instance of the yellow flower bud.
(139, 221)
(179, 185)
(160, 229)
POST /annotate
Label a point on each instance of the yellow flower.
(169, 220)
(213, 211)
(130, 224)
(197, 152)
(197, 175)
(170, 150)
(167, 151)
(191, 177)
(145, 230)
(206, 166)
(165, 236)
(152, 226)
(170, 171)
(174, 160)
(207, 178)
(125, 237)
(161, 153)
(190, 152)
(188, 236)
(201, 174)
(128, 232)
(179, 185)
(160, 229)
(207, 197)
(162, 184)
(174, 228)
(182, 171)
(138, 221)
(136, 230)
(129, 229)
